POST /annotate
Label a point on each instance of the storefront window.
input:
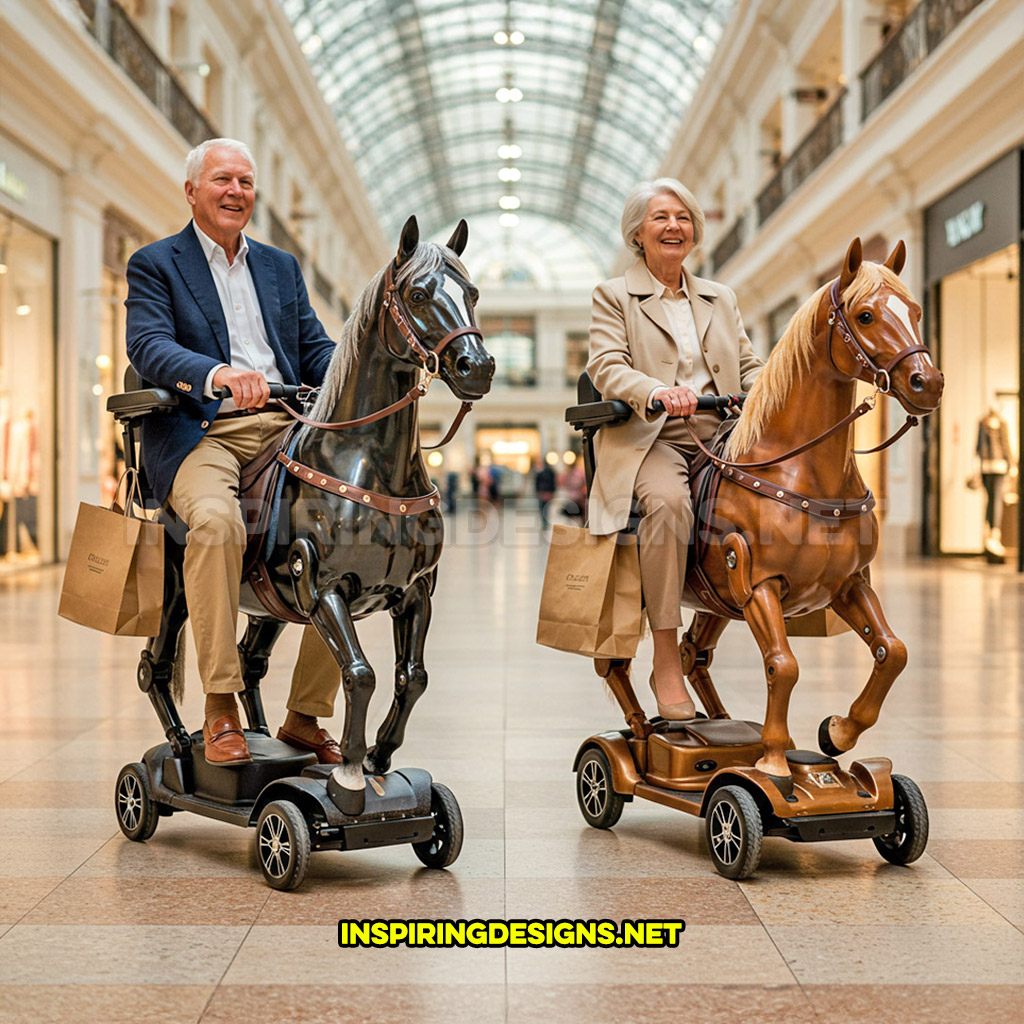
(511, 340)
(26, 396)
(980, 406)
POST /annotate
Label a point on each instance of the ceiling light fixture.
(509, 174)
(509, 202)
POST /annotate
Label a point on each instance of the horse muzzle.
(917, 385)
(467, 368)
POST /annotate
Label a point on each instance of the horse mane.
(791, 357)
(426, 258)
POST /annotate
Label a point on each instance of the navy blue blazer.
(176, 333)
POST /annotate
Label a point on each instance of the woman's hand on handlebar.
(249, 388)
(677, 401)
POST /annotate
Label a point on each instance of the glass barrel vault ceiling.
(582, 97)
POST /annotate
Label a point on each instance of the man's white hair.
(194, 161)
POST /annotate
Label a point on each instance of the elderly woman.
(661, 333)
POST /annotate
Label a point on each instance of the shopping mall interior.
(797, 126)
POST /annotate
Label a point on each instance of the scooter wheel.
(734, 832)
(907, 842)
(445, 844)
(599, 804)
(282, 844)
(133, 801)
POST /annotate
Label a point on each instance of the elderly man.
(209, 308)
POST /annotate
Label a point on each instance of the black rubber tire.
(445, 844)
(133, 803)
(734, 832)
(907, 842)
(282, 844)
(599, 804)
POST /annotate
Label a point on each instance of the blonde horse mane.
(791, 357)
(426, 258)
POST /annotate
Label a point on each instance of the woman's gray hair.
(635, 210)
(194, 161)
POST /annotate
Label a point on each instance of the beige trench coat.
(632, 352)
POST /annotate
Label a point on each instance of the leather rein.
(869, 371)
(430, 362)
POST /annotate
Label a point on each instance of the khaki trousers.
(205, 495)
(663, 490)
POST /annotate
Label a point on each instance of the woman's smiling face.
(666, 233)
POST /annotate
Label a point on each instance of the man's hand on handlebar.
(249, 388)
(676, 401)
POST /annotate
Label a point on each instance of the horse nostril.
(917, 381)
(463, 366)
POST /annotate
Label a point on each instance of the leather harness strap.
(825, 508)
(412, 506)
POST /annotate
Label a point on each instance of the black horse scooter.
(292, 801)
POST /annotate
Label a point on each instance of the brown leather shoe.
(225, 744)
(326, 749)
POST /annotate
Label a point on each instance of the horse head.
(430, 300)
(874, 331)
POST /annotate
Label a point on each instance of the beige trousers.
(663, 490)
(205, 495)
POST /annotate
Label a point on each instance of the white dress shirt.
(692, 371)
(247, 334)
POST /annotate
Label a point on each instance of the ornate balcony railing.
(926, 26)
(730, 243)
(823, 139)
(114, 31)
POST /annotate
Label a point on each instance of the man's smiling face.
(222, 200)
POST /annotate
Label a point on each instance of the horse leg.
(858, 604)
(332, 620)
(696, 652)
(763, 613)
(254, 649)
(410, 621)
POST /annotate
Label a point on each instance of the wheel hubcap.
(726, 833)
(129, 801)
(275, 849)
(593, 788)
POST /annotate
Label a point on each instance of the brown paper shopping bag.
(114, 578)
(591, 603)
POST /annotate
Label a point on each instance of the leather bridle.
(868, 369)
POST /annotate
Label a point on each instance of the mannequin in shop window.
(19, 485)
(997, 463)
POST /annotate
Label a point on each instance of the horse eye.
(418, 295)
(865, 318)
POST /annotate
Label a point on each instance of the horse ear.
(850, 265)
(460, 236)
(409, 240)
(897, 258)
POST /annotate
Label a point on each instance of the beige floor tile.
(176, 901)
(103, 1004)
(1004, 895)
(973, 795)
(901, 953)
(32, 858)
(917, 1004)
(303, 955)
(357, 1003)
(656, 1002)
(706, 955)
(979, 858)
(42, 796)
(19, 895)
(117, 954)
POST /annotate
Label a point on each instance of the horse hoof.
(349, 801)
(375, 763)
(825, 744)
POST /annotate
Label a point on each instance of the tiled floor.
(94, 928)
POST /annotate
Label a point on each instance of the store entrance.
(979, 421)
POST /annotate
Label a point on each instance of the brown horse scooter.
(784, 527)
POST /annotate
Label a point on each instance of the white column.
(78, 345)
(860, 40)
